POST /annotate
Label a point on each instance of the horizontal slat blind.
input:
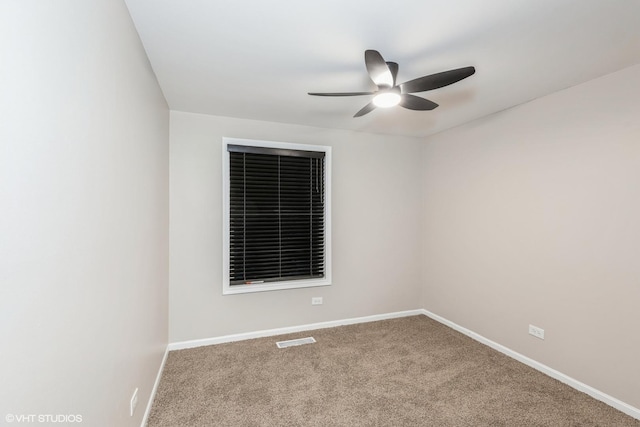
(276, 215)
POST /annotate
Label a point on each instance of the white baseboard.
(596, 394)
(152, 396)
(288, 330)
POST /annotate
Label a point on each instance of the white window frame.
(227, 288)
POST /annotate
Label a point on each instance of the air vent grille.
(299, 341)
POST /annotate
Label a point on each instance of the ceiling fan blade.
(366, 109)
(393, 68)
(378, 69)
(438, 80)
(340, 93)
(413, 102)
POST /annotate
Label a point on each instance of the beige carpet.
(410, 371)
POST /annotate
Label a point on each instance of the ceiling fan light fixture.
(390, 94)
(386, 99)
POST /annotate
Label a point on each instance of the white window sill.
(274, 286)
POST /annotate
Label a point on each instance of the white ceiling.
(257, 59)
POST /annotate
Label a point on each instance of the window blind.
(276, 220)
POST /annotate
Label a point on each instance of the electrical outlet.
(134, 402)
(316, 301)
(536, 332)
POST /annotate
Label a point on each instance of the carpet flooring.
(411, 371)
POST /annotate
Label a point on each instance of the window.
(276, 215)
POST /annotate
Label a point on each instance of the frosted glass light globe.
(386, 99)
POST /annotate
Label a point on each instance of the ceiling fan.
(390, 94)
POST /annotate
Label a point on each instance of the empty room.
(338, 213)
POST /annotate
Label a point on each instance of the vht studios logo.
(43, 418)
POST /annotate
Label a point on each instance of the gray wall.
(375, 227)
(83, 212)
(531, 216)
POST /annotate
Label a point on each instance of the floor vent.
(299, 341)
